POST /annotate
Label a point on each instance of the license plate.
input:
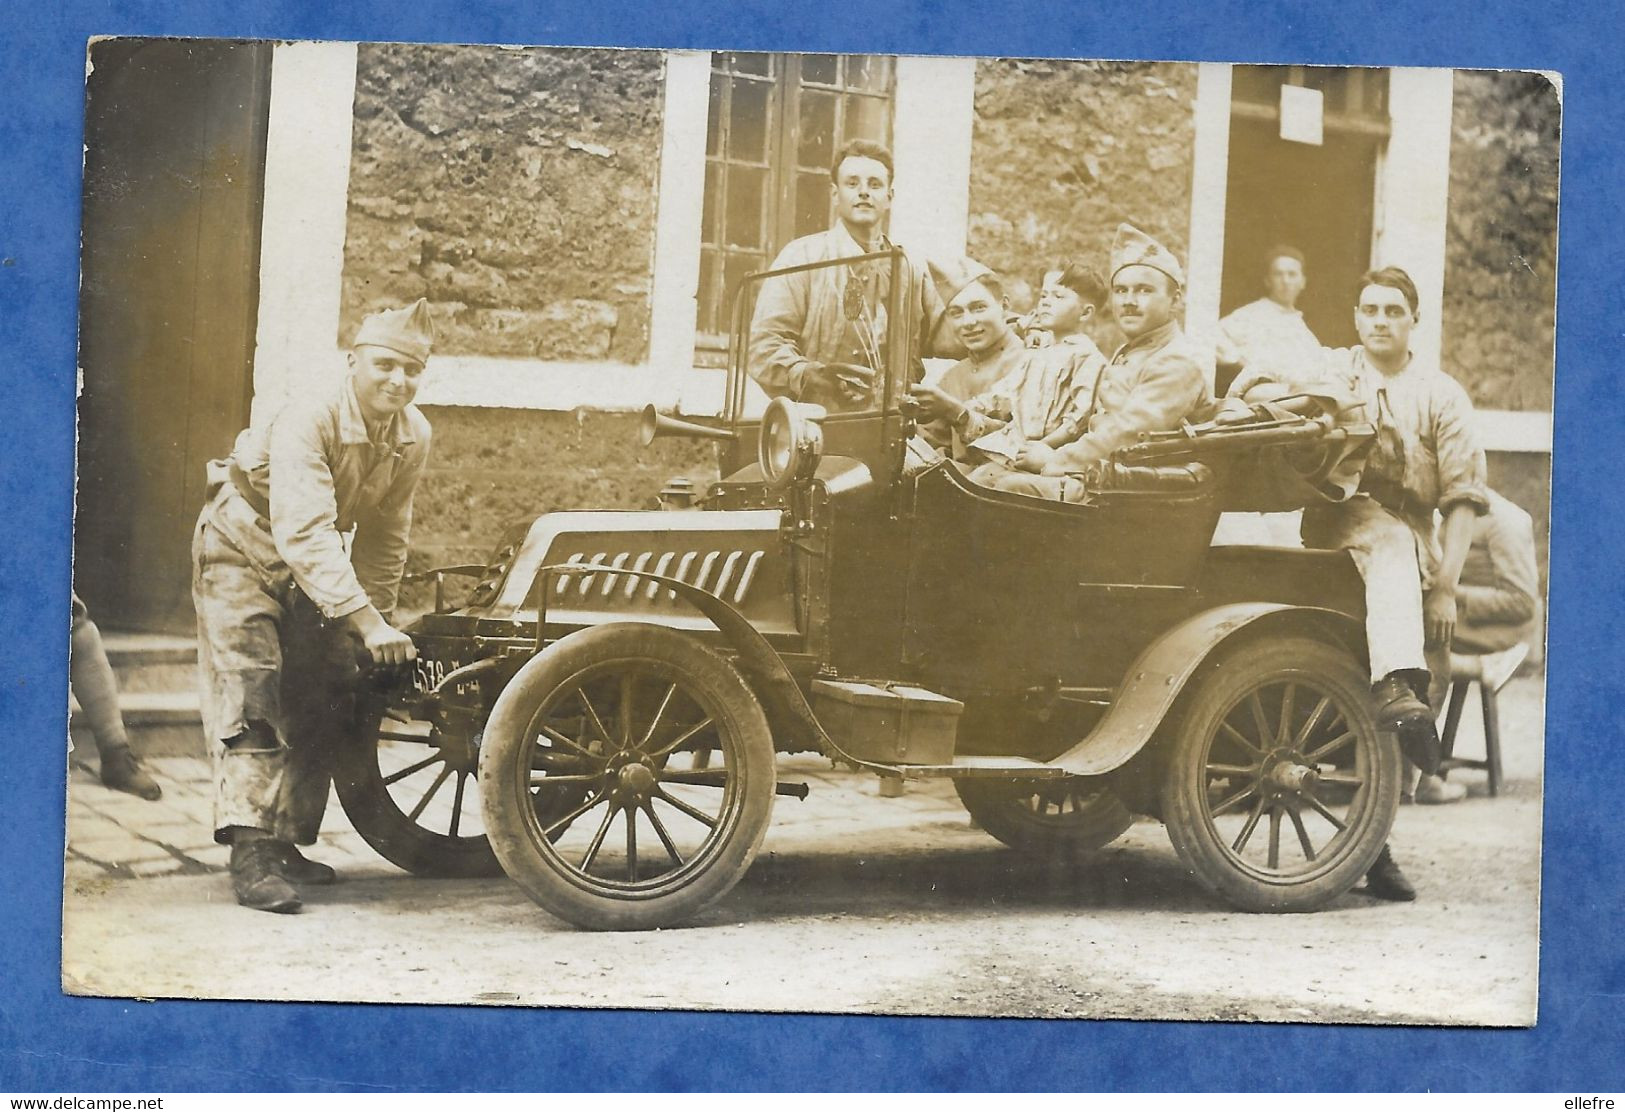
(429, 674)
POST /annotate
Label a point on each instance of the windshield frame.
(897, 355)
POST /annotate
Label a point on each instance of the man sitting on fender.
(1426, 458)
(1155, 380)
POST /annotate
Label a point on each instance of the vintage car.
(601, 717)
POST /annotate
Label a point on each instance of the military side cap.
(1133, 247)
(950, 276)
(408, 331)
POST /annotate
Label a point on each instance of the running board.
(980, 766)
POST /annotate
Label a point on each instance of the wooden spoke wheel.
(1280, 791)
(411, 793)
(628, 776)
(1049, 817)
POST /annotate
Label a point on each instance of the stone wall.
(512, 187)
(1500, 280)
(491, 468)
(1064, 151)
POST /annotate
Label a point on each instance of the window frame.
(787, 83)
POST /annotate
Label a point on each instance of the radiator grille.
(727, 573)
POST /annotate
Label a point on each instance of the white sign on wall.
(1303, 113)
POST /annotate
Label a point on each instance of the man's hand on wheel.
(384, 643)
(850, 381)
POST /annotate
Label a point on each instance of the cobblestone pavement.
(118, 835)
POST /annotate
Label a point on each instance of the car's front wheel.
(597, 798)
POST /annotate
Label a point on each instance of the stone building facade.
(512, 188)
(552, 205)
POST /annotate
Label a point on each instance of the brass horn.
(655, 424)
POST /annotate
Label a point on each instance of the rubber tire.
(510, 819)
(999, 807)
(386, 828)
(1216, 690)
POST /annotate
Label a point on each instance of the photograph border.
(54, 1042)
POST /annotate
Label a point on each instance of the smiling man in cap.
(281, 598)
(1003, 396)
(1155, 380)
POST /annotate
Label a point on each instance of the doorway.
(174, 181)
(1319, 198)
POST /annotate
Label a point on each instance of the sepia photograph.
(822, 533)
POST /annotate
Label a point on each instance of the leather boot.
(1384, 881)
(299, 869)
(123, 773)
(257, 879)
(1400, 710)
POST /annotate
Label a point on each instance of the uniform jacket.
(1151, 384)
(1047, 391)
(968, 379)
(1499, 591)
(322, 476)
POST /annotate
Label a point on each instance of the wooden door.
(174, 175)
(1319, 198)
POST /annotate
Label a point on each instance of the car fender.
(1154, 682)
(786, 706)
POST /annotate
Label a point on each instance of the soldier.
(1426, 459)
(281, 596)
(1498, 600)
(820, 335)
(1156, 379)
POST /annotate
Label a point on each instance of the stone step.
(159, 723)
(153, 648)
(146, 662)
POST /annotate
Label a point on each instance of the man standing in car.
(820, 335)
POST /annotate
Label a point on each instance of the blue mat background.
(50, 1042)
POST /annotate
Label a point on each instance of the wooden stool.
(1488, 688)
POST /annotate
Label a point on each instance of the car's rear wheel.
(410, 792)
(596, 797)
(1059, 818)
(1279, 791)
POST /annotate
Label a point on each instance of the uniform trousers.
(277, 684)
(1391, 563)
(1001, 476)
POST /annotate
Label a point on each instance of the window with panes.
(775, 122)
(1356, 98)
